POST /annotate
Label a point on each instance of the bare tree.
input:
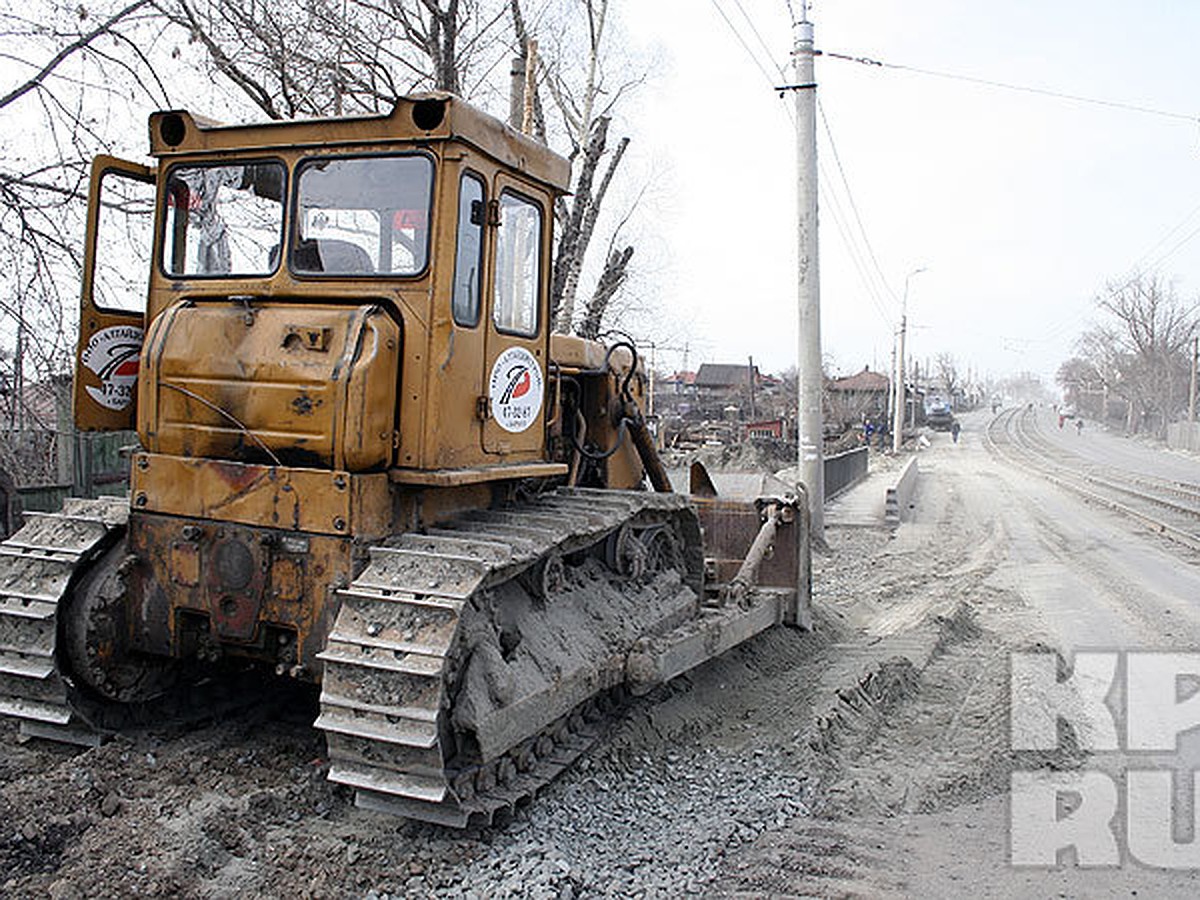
(1140, 348)
(947, 369)
(75, 70)
(585, 99)
(1081, 382)
(332, 57)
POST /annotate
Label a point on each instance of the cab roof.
(418, 118)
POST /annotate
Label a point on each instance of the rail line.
(1166, 506)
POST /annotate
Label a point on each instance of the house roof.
(683, 377)
(724, 375)
(866, 380)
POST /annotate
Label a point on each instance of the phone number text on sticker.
(112, 355)
(516, 390)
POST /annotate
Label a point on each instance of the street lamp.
(898, 419)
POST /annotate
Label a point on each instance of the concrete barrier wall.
(843, 470)
(899, 494)
(1184, 436)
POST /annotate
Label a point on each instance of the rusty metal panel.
(730, 527)
(312, 500)
(458, 477)
(287, 579)
(252, 583)
(185, 563)
(298, 381)
(370, 410)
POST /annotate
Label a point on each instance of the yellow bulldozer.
(364, 462)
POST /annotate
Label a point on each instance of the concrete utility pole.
(1192, 392)
(808, 288)
(898, 430)
(912, 419)
(750, 379)
(891, 410)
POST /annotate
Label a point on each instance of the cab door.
(516, 346)
(116, 273)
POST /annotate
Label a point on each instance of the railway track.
(1166, 506)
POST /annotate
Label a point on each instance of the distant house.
(851, 398)
(721, 386)
(715, 378)
(767, 428)
(865, 382)
(680, 382)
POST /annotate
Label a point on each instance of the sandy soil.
(868, 758)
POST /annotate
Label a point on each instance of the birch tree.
(585, 98)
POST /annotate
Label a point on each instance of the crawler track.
(466, 665)
(42, 569)
(1169, 507)
(38, 565)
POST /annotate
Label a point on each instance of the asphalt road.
(1097, 444)
(1075, 578)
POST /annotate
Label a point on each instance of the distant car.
(939, 417)
(1068, 412)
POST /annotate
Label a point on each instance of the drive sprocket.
(98, 660)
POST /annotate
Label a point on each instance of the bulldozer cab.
(434, 218)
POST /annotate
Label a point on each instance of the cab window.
(518, 264)
(468, 257)
(363, 215)
(223, 220)
(124, 242)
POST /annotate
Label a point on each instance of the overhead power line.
(852, 249)
(741, 40)
(854, 206)
(1008, 86)
(1166, 237)
(869, 274)
(759, 37)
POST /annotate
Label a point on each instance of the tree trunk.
(611, 279)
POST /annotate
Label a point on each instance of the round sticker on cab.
(515, 389)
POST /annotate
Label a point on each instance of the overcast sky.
(1020, 206)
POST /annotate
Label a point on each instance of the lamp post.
(898, 419)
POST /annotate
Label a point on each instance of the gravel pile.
(628, 824)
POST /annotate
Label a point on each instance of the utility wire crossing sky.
(1037, 153)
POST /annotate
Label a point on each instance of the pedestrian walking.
(955, 428)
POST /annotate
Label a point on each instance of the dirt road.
(869, 758)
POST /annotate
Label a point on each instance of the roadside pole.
(808, 290)
(912, 419)
(901, 393)
(1192, 392)
(898, 422)
(891, 410)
